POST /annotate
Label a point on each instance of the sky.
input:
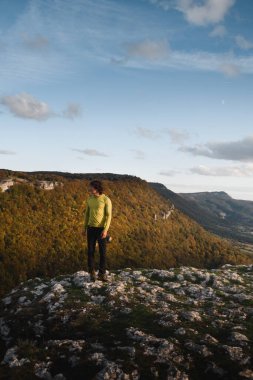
(159, 89)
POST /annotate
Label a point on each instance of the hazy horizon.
(172, 187)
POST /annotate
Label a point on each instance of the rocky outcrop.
(48, 185)
(6, 183)
(182, 323)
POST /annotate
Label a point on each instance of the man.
(97, 220)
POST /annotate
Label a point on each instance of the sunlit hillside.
(42, 230)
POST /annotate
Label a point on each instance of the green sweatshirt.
(98, 212)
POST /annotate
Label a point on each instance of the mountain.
(181, 323)
(41, 230)
(215, 211)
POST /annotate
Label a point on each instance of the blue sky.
(160, 89)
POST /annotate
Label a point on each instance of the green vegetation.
(41, 232)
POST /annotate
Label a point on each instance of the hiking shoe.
(93, 276)
(102, 277)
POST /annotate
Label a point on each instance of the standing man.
(97, 219)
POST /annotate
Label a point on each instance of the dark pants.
(93, 235)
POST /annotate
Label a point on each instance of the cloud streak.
(241, 150)
(230, 69)
(139, 154)
(36, 42)
(90, 152)
(218, 31)
(242, 43)
(223, 171)
(147, 133)
(227, 63)
(148, 49)
(72, 111)
(177, 136)
(168, 173)
(2, 151)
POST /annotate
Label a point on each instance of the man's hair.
(97, 185)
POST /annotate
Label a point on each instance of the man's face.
(93, 191)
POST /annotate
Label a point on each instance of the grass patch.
(28, 348)
(76, 296)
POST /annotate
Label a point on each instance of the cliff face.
(181, 323)
(7, 183)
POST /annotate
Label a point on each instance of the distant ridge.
(67, 175)
(216, 211)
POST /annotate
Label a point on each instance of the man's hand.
(103, 234)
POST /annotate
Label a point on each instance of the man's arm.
(108, 214)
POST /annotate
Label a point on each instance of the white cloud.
(199, 12)
(224, 171)
(146, 133)
(243, 43)
(72, 111)
(26, 106)
(218, 31)
(206, 12)
(165, 4)
(118, 61)
(139, 154)
(90, 152)
(150, 50)
(36, 42)
(177, 136)
(2, 151)
(168, 173)
(230, 69)
(241, 150)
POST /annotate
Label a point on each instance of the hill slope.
(236, 214)
(42, 230)
(183, 323)
(215, 211)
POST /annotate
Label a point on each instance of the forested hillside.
(41, 231)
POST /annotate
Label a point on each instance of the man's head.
(96, 187)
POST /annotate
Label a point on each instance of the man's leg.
(91, 240)
(102, 253)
